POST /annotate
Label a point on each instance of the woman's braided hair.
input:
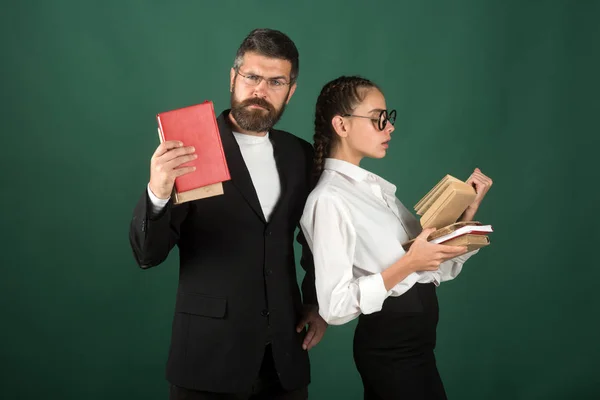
(337, 97)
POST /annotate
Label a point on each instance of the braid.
(337, 97)
(322, 144)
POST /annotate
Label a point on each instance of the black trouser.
(267, 386)
(393, 348)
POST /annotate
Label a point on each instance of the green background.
(510, 87)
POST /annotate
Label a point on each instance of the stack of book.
(442, 207)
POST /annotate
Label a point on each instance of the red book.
(196, 126)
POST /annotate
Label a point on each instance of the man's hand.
(316, 327)
(165, 166)
(482, 184)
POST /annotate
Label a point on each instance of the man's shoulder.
(292, 140)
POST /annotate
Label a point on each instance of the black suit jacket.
(237, 279)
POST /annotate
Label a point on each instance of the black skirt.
(393, 348)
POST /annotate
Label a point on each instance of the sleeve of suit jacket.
(153, 236)
(309, 293)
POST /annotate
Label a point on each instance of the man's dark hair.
(269, 43)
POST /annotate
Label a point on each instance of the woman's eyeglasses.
(381, 121)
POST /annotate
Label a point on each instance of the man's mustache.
(258, 102)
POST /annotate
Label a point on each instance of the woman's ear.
(339, 126)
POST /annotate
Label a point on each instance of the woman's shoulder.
(325, 203)
(329, 190)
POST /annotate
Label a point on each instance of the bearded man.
(241, 327)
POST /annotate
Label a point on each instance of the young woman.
(355, 226)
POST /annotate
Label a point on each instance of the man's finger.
(166, 146)
(301, 325)
(316, 339)
(309, 336)
(176, 153)
(183, 170)
(179, 161)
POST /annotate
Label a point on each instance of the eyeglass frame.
(261, 78)
(388, 117)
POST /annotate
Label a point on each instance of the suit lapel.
(240, 177)
(279, 152)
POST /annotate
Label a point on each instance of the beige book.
(199, 193)
(473, 242)
(445, 203)
(434, 193)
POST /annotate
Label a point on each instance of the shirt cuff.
(372, 293)
(462, 259)
(157, 204)
(450, 269)
(407, 283)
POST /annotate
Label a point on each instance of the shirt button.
(268, 272)
(264, 313)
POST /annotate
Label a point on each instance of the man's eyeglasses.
(381, 121)
(255, 80)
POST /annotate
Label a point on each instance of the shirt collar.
(357, 173)
(344, 167)
(250, 139)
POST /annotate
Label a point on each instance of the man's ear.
(292, 90)
(232, 74)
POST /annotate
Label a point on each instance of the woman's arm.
(328, 228)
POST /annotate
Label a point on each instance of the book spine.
(222, 150)
(161, 135)
(161, 138)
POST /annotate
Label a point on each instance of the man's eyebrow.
(251, 72)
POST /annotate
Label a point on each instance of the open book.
(471, 234)
(442, 206)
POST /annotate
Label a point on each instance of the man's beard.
(255, 120)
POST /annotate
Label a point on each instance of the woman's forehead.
(373, 101)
